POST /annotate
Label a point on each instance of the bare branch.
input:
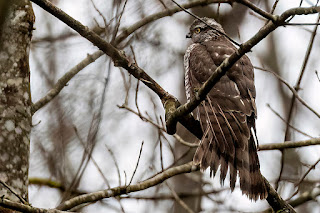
(305, 174)
(13, 192)
(62, 82)
(257, 10)
(293, 90)
(25, 208)
(289, 144)
(305, 197)
(292, 127)
(135, 169)
(95, 196)
(178, 199)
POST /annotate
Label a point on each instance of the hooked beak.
(188, 35)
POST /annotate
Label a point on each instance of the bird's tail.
(251, 181)
(232, 147)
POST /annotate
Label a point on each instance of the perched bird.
(228, 113)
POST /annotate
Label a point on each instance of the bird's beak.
(188, 35)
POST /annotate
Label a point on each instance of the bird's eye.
(197, 30)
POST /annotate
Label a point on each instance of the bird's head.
(200, 32)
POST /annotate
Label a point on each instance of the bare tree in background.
(102, 109)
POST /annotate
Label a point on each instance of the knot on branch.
(170, 105)
(173, 115)
(121, 60)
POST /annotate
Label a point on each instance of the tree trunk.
(16, 25)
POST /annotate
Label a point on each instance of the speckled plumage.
(227, 116)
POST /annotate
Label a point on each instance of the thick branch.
(303, 198)
(275, 201)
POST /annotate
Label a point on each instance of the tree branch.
(25, 208)
(293, 90)
(289, 144)
(157, 179)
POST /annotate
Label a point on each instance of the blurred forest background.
(89, 137)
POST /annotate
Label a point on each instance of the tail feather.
(228, 142)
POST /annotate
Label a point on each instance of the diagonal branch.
(169, 102)
(293, 90)
(120, 190)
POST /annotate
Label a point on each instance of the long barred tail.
(228, 142)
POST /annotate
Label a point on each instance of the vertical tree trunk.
(15, 100)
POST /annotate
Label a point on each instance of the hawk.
(228, 113)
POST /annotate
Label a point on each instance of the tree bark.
(15, 99)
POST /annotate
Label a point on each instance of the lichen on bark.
(15, 99)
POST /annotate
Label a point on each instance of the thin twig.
(281, 118)
(274, 6)
(161, 152)
(13, 192)
(115, 163)
(91, 158)
(118, 23)
(135, 169)
(256, 9)
(177, 198)
(317, 75)
(296, 95)
(145, 119)
(307, 172)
